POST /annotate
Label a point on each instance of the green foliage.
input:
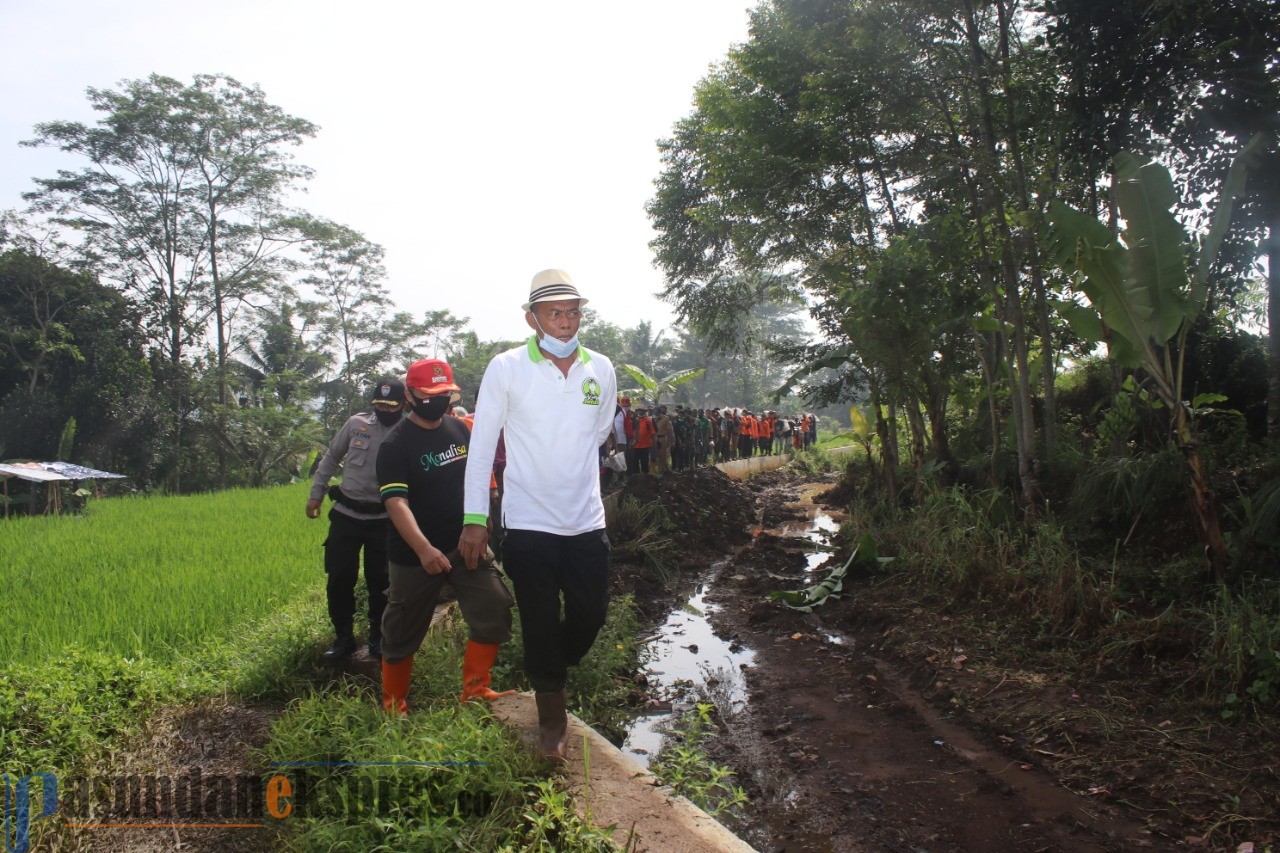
(150, 576)
(480, 790)
(1259, 518)
(71, 347)
(1035, 582)
(68, 439)
(1141, 293)
(71, 709)
(813, 462)
(552, 824)
(653, 388)
(684, 765)
(446, 776)
(1117, 490)
(599, 687)
(267, 441)
(140, 603)
(1241, 652)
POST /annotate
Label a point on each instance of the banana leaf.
(832, 585)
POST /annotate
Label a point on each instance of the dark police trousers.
(347, 537)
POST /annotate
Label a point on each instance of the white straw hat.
(552, 286)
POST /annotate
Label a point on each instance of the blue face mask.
(555, 346)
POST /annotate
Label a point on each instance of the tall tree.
(178, 205)
(358, 320)
(821, 140)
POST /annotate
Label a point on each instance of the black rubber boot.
(553, 725)
(343, 647)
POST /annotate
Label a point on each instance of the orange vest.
(645, 432)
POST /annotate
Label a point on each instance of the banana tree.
(651, 388)
(1143, 298)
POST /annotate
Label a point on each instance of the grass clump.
(69, 711)
(641, 532)
(813, 462)
(684, 765)
(448, 776)
(445, 777)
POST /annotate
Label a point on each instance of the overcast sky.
(477, 142)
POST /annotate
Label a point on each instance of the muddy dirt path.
(839, 750)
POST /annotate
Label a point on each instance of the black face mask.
(432, 408)
(387, 417)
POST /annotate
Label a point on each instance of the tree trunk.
(888, 446)
(221, 325)
(1020, 387)
(915, 425)
(935, 403)
(1031, 251)
(1273, 331)
(1204, 500)
(990, 358)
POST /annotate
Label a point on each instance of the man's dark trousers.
(543, 566)
(347, 536)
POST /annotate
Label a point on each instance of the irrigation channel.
(836, 745)
(687, 662)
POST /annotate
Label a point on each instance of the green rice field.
(154, 576)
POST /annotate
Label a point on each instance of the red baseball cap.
(430, 376)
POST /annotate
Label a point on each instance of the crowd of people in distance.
(659, 440)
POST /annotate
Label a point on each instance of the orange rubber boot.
(476, 664)
(395, 686)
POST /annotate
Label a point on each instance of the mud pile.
(669, 529)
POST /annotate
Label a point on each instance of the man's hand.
(313, 508)
(473, 543)
(433, 560)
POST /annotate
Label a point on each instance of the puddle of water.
(685, 653)
(686, 660)
(820, 529)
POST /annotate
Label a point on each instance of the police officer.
(357, 520)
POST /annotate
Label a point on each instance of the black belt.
(367, 507)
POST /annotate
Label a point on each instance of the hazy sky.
(477, 142)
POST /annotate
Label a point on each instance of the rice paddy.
(154, 576)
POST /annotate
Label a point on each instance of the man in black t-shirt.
(421, 470)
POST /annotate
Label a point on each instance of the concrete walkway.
(648, 816)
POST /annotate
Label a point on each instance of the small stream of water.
(682, 655)
(686, 661)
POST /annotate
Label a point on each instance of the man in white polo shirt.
(555, 400)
